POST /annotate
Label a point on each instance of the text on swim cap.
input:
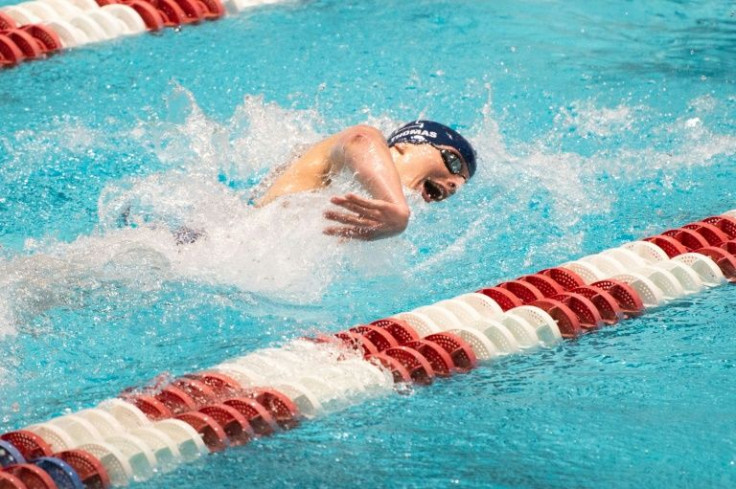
(416, 132)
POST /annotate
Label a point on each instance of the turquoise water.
(596, 124)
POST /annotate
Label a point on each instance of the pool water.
(596, 124)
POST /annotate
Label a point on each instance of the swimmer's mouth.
(433, 192)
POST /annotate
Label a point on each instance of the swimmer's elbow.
(405, 221)
(402, 218)
(361, 136)
(405, 215)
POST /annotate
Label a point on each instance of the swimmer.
(424, 156)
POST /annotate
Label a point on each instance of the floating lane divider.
(171, 421)
(37, 28)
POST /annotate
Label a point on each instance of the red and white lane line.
(157, 427)
(37, 28)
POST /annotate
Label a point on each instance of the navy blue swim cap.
(428, 132)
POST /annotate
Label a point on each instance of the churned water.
(596, 123)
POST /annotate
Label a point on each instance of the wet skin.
(383, 171)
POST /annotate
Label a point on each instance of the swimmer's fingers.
(352, 232)
(373, 219)
(358, 200)
(354, 220)
(359, 205)
(358, 227)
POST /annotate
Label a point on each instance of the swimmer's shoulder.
(314, 168)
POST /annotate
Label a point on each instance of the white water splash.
(185, 224)
(27, 147)
(586, 119)
(527, 172)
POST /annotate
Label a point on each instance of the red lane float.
(565, 317)
(30, 445)
(213, 435)
(584, 309)
(283, 409)
(729, 246)
(25, 43)
(194, 11)
(214, 9)
(172, 13)
(155, 14)
(725, 260)
(10, 53)
(544, 283)
(668, 244)
(400, 330)
(153, 19)
(187, 394)
(724, 223)
(7, 22)
(381, 338)
(689, 238)
(419, 369)
(198, 391)
(260, 419)
(438, 358)
(503, 297)
(222, 385)
(525, 291)
(462, 355)
(176, 399)
(151, 407)
(236, 426)
(567, 279)
(711, 233)
(358, 341)
(401, 374)
(89, 469)
(9, 481)
(31, 476)
(31, 48)
(607, 306)
(627, 298)
(47, 39)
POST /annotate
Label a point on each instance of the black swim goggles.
(451, 160)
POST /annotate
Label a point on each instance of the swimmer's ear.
(401, 147)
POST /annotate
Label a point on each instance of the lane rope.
(36, 29)
(171, 421)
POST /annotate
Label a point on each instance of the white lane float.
(70, 35)
(91, 28)
(589, 272)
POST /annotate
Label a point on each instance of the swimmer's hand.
(369, 219)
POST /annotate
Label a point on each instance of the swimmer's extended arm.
(364, 150)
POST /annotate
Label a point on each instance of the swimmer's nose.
(455, 183)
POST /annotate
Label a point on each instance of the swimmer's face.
(432, 177)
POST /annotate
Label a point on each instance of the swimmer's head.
(436, 134)
(441, 160)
